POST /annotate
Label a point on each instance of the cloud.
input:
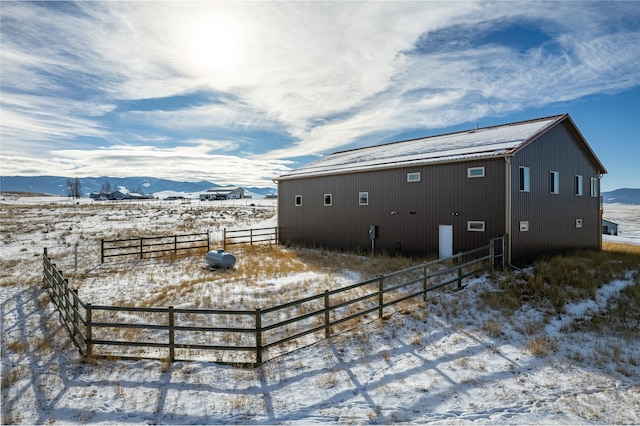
(182, 163)
(464, 84)
(30, 121)
(282, 80)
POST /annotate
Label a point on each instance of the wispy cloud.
(290, 79)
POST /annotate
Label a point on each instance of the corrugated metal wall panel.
(552, 217)
(407, 214)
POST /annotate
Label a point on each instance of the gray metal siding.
(552, 217)
(407, 214)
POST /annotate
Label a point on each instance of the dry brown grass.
(10, 377)
(541, 346)
(621, 248)
(561, 279)
(492, 328)
(17, 346)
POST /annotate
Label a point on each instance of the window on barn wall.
(594, 187)
(578, 185)
(554, 182)
(475, 225)
(413, 177)
(298, 200)
(474, 172)
(525, 179)
(363, 198)
(328, 199)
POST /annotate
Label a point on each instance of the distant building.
(609, 228)
(118, 195)
(535, 182)
(223, 193)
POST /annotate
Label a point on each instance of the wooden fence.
(250, 337)
(142, 247)
(249, 236)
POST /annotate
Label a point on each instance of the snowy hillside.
(457, 358)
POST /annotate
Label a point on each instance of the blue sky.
(241, 92)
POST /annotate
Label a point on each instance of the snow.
(433, 363)
(628, 219)
(483, 142)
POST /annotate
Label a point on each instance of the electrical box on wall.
(373, 232)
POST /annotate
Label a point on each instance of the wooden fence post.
(224, 239)
(492, 254)
(175, 244)
(424, 283)
(45, 269)
(208, 243)
(67, 316)
(380, 295)
(250, 236)
(89, 338)
(102, 250)
(459, 276)
(75, 312)
(172, 342)
(258, 337)
(327, 316)
(141, 249)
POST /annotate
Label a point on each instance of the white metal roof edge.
(350, 169)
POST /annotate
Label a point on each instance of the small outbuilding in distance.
(535, 182)
(609, 228)
(223, 193)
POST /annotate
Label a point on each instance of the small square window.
(413, 177)
(298, 200)
(363, 198)
(578, 223)
(475, 225)
(327, 199)
(524, 225)
(474, 172)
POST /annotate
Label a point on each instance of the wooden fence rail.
(249, 236)
(142, 247)
(66, 301)
(251, 336)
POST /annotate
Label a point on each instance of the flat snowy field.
(447, 361)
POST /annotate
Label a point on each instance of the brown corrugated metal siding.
(552, 217)
(407, 214)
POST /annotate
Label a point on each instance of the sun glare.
(214, 45)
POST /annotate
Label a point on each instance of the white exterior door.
(446, 241)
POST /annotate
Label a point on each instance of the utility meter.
(373, 232)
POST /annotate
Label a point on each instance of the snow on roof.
(471, 144)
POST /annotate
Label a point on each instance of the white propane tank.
(221, 259)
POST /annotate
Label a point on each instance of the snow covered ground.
(628, 219)
(447, 361)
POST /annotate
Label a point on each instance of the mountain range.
(57, 185)
(622, 196)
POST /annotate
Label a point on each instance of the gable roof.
(224, 189)
(494, 141)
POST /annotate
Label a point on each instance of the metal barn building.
(536, 182)
(609, 228)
